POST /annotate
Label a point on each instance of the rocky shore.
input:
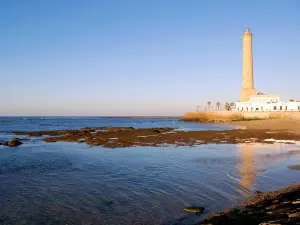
(12, 143)
(115, 137)
(270, 208)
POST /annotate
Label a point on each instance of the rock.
(293, 215)
(284, 203)
(14, 142)
(269, 224)
(49, 140)
(4, 143)
(296, 202)
(194, 209)
(271, 207)
(232, 214)
(294, 167)
(87, 129)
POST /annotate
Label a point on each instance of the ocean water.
(71, 183)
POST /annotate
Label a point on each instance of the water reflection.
(246, 168)
(254, 158)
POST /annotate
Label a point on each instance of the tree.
(208, 105)
(218, 105)
(292, 100)
(227, 106)
(197, 108)
(231, 104)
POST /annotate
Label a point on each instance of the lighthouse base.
(246, 93)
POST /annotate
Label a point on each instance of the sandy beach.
(289, 125)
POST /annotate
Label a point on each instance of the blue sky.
(138, 57)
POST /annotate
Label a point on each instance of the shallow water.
(70, 183)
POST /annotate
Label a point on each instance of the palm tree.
(218, 105)
(227, 106)
(208, 105)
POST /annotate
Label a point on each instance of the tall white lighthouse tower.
(248, 82)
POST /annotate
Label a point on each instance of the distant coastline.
(146, 117)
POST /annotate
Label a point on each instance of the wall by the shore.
(236, 115)
(212, 116)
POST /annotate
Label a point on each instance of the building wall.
(291, 115)
(267, 106)
(265, 98)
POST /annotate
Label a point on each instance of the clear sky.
(154, 57)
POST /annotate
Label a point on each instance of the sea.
(73, 183)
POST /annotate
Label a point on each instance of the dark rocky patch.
(12, 143)
(115, 137)
(281, 207)
(294, 167)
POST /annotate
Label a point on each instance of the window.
(275, 108)
(262, 108)
(247, 109)
(257, 109)
(280, 108)
(299, 108)
(285, 107)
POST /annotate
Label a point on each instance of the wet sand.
(290, 125)
(279, 207)
(116, 137)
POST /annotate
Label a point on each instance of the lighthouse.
(248, 89)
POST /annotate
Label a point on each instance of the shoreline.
(278, 124)
(265, 208)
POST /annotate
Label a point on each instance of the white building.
(267, 103)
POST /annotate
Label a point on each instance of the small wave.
(232, 178)
(45, 118)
